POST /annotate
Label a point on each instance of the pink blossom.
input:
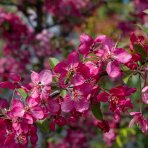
(41, 83)
(77, 99)
(68, 71)
(117, 99)
(33, 108)
(113, 57)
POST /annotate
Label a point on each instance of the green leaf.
(128, 75)
(22, 93)
(63, 93)
(139, 49)
(43, 125)
(119, 141)
(96, 110)
(135, 82)
(53, 62)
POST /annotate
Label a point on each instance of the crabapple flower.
(41, 83)
(113, 57)
(77, 99)
(117, 99)
(104, 48)
(17, 109)
(49, 106)
(140, 119)
(86, 43)
(43, 78)
(133, 63)
(33, 108)
(68, 71)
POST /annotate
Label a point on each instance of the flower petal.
(37, 112)
(67, 105)
(45, 77)
(34, 77)
(81, 105)
(103, 97)
(113, 69)
(122, 55)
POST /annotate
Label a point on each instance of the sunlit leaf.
(43, 125)
(53, 62)
(22, 93)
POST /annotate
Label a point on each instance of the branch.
(39, 13)
(54, 94)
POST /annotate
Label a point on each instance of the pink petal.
(28, 118)
(85, 89)
(78, 80)
(37, 112)
(17, 103)
(35, 77)
(67, 105)
(81, 105)
(103, 97)
(14, 77)
(73, 59)
(7, 84)
(16, 112)
(32, 101)
(16, 126)
(84, 49)
(132, 122)
(135, 113)
(53, 106)
(91, 69)
(84, 38)
(85, 42)
(104, 40)
(61, 68)
(122, 55)
(113, 69)
(45, 77)
(33, 139)
(35, 92)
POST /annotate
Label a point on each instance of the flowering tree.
(50, 90)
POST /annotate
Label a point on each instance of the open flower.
(68, 71)
(113, 57)
(117, 98)
(77, 99)
(41, 83)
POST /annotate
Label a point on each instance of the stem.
(54, 94)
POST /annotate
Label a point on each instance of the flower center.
(114, 99)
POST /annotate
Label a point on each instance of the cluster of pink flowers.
(78, 77)
(21, 45)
